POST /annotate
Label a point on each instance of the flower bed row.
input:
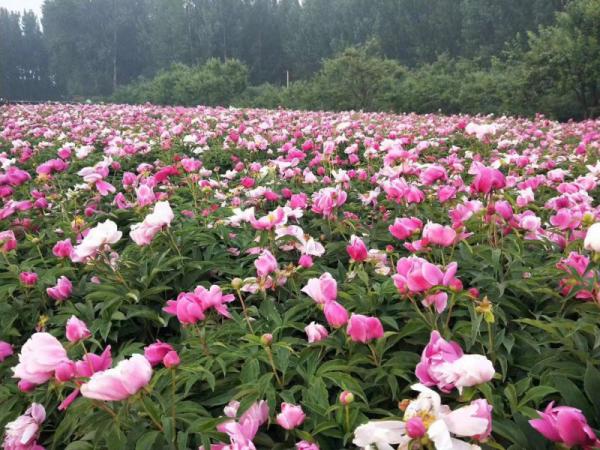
(233, 279)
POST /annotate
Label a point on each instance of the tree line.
(454, 55)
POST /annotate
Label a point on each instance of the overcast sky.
(22, 5)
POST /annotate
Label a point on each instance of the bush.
(214, 83)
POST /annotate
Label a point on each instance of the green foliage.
(214, 83)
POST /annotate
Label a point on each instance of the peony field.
(214, 278)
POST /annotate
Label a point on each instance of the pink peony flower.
(322, 289)
(156, 352)
(443, 236)
(214, 298)
(65, 371)
(8, 241)
(405, 227)
(483, 411)
(77, 330)
(327, 199)
(39, 357)
(265, 264)
(63, 249)
(171, 359)
(437, 352)
(488, 179)
(336, 314)
(92, 363)
(273, 219)
(22, 433)
(243, 431)
(187, 308)
(305, 445)
(357, 250)
(143, 233)
(6, 350)
(565, 425)
(416, 274)
(415, 428)
(62, 290)
(305, 261)
(119, 383)
(315, 332)
(439, 300)
(28, 278)
(145, 195)
(363, 328)
(444, 365)
(99, 237)
(291, 416)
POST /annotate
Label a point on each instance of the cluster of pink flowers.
(190, 307)
(372, 198)
(323, 291)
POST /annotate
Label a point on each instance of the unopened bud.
(266, 339)
(346, 397)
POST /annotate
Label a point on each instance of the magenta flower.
(488, 179)
(6, 350)
(363, 328)
(63, 249)
(336, 314)
(357, 250)
(156, 352)
(28, 278)
(171, 359)
(416, 274)
(214, 298)
(187, 308)
(405, 227)
(565, 425)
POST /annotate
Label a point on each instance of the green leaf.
(535, 394)
(147, 440)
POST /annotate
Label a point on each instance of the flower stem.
(173, 407)
(245, 311)
(272, 362)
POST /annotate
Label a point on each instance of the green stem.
(273, 367)
(449, 315)
(154, 421)
(105, 408)
(245, 311)
(374, 354)
(347, 417)
(416, 308)
(173, 407)
(491, 342)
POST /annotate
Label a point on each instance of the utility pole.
(287, 79)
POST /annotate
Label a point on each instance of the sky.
(21, 5)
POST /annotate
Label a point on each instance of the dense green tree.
(357, 79)
(565, 57)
